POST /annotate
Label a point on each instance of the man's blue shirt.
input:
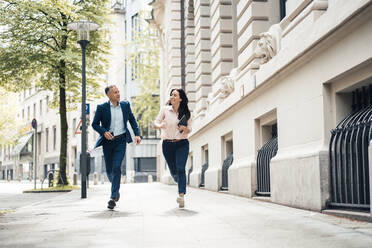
(117, 123)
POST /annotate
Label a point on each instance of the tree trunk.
(62, 179)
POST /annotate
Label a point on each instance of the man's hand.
(108, 135)
(138, 140)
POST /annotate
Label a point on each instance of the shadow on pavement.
(180, 212)
(112, 214)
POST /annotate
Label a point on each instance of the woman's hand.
(162, 125)
(182, 128)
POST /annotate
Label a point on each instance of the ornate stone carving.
(157, 13)
(267, 46)
(226, 86)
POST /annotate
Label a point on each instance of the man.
(110, 121)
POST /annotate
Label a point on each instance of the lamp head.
(83, 28)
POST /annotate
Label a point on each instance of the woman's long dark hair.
(184, 108)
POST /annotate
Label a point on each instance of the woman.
(175, 144)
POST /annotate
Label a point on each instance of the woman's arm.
(159, 123)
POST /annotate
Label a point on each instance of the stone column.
(190, 52)
(221, 39)
(203, 80)
(173, 47)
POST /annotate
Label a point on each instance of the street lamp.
(83, 28)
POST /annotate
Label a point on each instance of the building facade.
(276, 88)
(140, 161)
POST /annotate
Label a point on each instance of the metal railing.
(50, 175)
(267, 151)
(225, 167)
(348, 156)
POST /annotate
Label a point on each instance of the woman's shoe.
(181, 202)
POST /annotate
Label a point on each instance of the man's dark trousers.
(114, 152)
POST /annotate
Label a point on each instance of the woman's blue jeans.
(176, 153)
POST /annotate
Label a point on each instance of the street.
(11, 196)
(147, 216)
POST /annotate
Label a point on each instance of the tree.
(144, 57)
(36, 44)
(8, 123)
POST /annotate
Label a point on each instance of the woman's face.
(175, 97)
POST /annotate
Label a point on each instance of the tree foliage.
(35, 41)
(143, 56)
(36, 46)
(8, 122)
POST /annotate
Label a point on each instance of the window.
(41, 107)
(23, 114)
(75, 153)
(134, 68)
(34, 110)
(126, 71)
(54, 137)
(28, 112)
(145, 164)
(73, 127)
(282, 9)
(205, 154)
(135, 26)
(125, 30)
(39, 143)
(47, 103)
(46, 139)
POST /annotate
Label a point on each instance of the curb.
(47, 191)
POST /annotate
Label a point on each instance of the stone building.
(268, 82)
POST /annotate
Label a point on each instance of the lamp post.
(83, 28)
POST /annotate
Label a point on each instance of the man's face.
(114, 94)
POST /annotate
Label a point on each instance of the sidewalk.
(147, 216)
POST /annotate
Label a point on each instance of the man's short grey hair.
(107, 89)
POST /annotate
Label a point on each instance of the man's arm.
(96, 121)
(133, 122)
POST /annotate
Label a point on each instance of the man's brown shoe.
(117, 197)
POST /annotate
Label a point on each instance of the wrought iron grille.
(225, 167)
(202, 179)
(268, 151)
(348, 155)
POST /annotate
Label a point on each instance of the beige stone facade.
(249, 66)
